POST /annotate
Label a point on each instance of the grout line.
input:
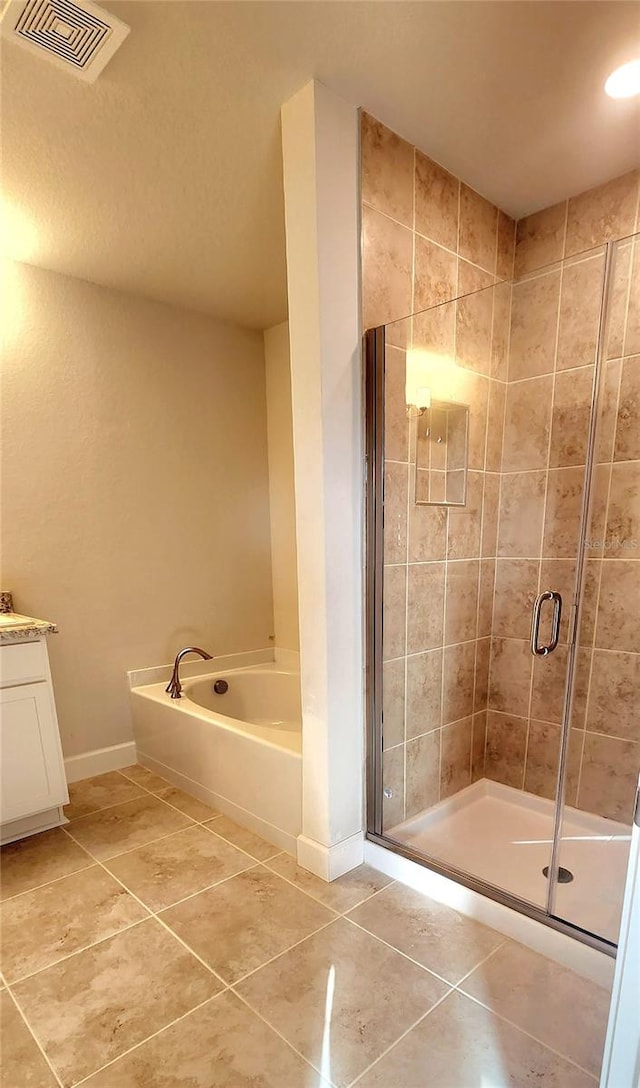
(529, 1034)
(143, 1042)
(395, 1043)
(34, 1036)
(285, 951)
(38, 887)
(79, 951)
(339, 913)
(405, 955)
(255, 1012)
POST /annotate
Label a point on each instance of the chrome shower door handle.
(536, 648)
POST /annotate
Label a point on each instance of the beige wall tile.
(463, 537)
(607, 409)
(571, 416)
(632, 338)
(474, 391)
(580, 305)
(478, 229)
(461, 609)
(478, 743)
(427, 533)
(455, 761)
(521, 514)
(581, 691)
(425, 607)
(495, 425)
(434, 276)
(618, 625)
(515, 591)
(597, 527)
(485, 603)
(434, 331)
(543, 751)
(618, 299)
(510, 676)
(396, 424)
(627, 440)
(623, 516)
(527, 424)
(609, 777)
(481, 684)
(423, 772)
(501, 331)
(387, 171)
(540, 238)
(393, 680)
(396, 480)
(602, 214)
(558, 575)
(534, 319)
(424, 693)
(394, 612)
(386, 269)
(562, 513)
(614, 695)
(506, 246)
(506, 743)
(392, 787)
(436, 202)
(549, 685)
(490, 510)
(474, 318)
(457, 681)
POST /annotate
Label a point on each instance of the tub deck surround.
(249, 766)
(17, 628)
(153, 933)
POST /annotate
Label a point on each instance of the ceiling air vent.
(81, 38)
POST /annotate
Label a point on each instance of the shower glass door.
(480, 434)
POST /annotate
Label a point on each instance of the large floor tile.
(47, 924)
(461, 1045)
(125, 827)
(102, 791)
(180, 865)
(221, 1045)
(559, 1007)
(191, 806)
(341, 998)
(239, 925)
(341, 894)
(142, 776)
(433, 934)
(246, 840)
(37, 860)
(93, 1006)
(22, 1060)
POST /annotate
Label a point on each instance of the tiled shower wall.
(552, 350)
(427, 238)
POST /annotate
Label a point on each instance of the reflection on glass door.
(484, 469)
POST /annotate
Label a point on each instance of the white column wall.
(320, 158)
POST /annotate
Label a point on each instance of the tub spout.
(174, 687)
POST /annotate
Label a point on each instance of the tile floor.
(152, 943)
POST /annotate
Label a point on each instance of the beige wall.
(135, 489)
(428, 237)
(281, 487)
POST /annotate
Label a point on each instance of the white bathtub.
(240, 751)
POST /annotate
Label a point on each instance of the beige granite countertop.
(16, 628)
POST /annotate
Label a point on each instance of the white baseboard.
(330, 862)
(99, 761)
(587, 961)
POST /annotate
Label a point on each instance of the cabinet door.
(32, 771)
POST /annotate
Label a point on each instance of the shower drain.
(565, 876)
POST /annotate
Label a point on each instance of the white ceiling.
(164, 177)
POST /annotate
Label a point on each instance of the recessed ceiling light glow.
(625, 81)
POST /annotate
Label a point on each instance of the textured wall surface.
(464, 697)
(427, 238)
(135, 487)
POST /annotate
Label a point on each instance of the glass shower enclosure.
(503, 587)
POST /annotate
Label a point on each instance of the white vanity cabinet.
(33, 785)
